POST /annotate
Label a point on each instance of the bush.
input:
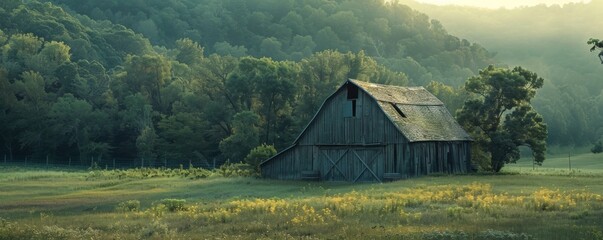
(598, 148)
(174, 205)
(237, 170)
(128, 206)
(259, 154)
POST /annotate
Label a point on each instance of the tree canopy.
(210, 80)
(500, 118)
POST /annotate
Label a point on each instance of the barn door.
(351, 164)
(369, 164)
(334, 164)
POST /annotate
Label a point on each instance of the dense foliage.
(500, 118)
(597, 44)
(399, 37)
(76, 87)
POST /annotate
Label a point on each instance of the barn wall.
(370, 126)
(436, 157)
(289, 164)
(362, 148)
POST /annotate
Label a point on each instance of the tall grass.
(515, 205)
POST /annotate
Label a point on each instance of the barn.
(367, 132)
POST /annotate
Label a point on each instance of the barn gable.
(370, 132)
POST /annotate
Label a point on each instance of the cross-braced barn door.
(351, 164)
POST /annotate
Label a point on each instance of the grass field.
(547, 203)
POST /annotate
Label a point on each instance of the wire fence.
(107, 163)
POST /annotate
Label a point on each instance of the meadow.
(520, 203)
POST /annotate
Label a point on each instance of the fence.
(107, 163)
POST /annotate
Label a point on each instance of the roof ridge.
(397, 94)
(360, 82)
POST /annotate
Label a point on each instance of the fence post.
(569, 158)
(113, 163)
(190, 163)
(70, 161)
(4, 158)
(25, 160)
(46, 161)
(141, 162)
(164, 161)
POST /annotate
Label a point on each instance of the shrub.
(454, 212)
(259, 154)
(197, 173)
(502, 235)
(128, 206)
(597, 148)
(174, 205)
(237, 170)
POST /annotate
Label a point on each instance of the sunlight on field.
(560, 159)
(513, 205)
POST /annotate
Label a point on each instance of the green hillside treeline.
(206, 80)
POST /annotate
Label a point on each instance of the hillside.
(79, 85)
(399, 37)
(552, 42)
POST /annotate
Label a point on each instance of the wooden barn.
(373, 132)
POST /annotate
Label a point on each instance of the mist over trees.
(550, 41)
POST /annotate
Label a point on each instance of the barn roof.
(417, 113)
(397, 94)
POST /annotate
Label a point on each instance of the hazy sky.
(499, 3)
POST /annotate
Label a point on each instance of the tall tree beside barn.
(500, 118)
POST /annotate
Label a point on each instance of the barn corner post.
(372, 132)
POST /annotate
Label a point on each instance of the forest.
(210, 80)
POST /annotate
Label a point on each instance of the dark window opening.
(352, 91)
(353, 108)
(398, 110)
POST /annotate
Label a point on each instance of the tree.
(34, 103)
(52, 55)
(145, 144)
(498, 94)
(8, 116)
(148, 75)
(75, 123)
(184, 136)
(189, 52)
(596, 44)
(597, 148)
(452, 97)
(245, 136)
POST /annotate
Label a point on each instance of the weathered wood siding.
(290, 163)
(436, 157)
(362, 148)
(370, 126)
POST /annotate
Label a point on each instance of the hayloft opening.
(352, 91)
(350, 107)
(398, 110)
